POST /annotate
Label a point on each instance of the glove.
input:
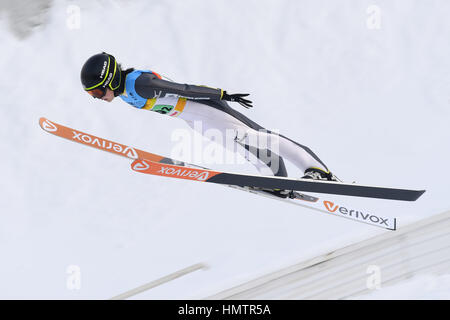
(237, 97)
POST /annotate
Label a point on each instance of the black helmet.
(99, 72)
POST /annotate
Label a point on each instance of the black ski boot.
(279, 193)
(319, 174)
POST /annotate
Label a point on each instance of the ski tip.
(47, 125)
(140, 165)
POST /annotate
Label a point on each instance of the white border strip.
(159, 282)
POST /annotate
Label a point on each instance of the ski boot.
(319, 174)
(290, 194)
(279, 193)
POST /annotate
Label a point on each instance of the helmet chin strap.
(121, 88)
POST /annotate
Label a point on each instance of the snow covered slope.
(358, 270)
(372, 103)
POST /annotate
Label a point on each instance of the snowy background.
(370, 97)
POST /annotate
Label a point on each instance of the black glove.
(237, 97)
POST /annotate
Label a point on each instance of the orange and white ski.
(150, 163)
(101, 143)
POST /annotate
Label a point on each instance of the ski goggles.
(97, 93)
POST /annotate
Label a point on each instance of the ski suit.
(147, 90)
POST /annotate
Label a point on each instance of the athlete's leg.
(300, 156)
(229, 132)
(267, 146)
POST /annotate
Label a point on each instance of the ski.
(296, 198)
(101, 143)
(123, 150)
(332, 208)
(271, 182)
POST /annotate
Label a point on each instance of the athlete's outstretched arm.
(149, 85)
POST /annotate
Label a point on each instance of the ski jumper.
(147, 90)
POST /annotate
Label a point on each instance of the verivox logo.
(184, 173)
(330, 206)
(141, 166)
(355, 214)
(104, 144)
(48, 126)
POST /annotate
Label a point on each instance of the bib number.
(162, 108)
